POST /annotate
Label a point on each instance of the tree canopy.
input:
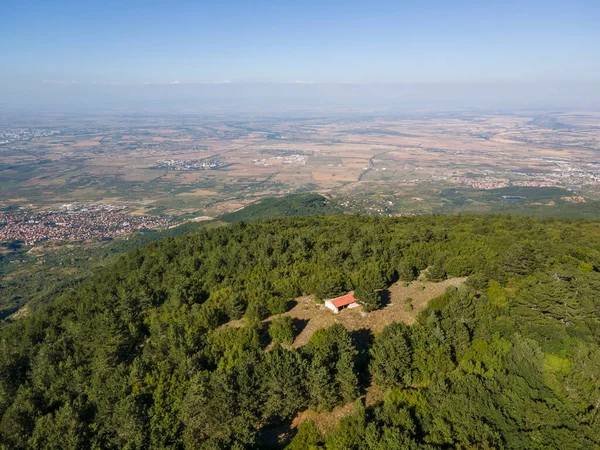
(141, 355)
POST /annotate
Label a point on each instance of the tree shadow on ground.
(299, 325)
(275, 436)
(290, 305)
(385, 297)
(264, 338)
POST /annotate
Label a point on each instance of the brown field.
(89, 143)
(199, 193)
(349, 157)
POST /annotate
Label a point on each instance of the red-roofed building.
(345, 301)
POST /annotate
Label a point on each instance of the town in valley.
(153, 171)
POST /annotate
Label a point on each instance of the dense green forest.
(140, 355)
(289, 205)
(28, 278)
(532, 201)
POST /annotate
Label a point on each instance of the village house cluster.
(187, 165)
(24, 134)
(490, 183)
(75, 223)
(288, 159)
(565, 173)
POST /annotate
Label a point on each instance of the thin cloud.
(60, 82)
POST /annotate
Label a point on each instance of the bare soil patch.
(327, 420)
(314, 316)
(20, 313)
(421, 292)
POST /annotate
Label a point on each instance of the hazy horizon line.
(176, 82)
(301, 95)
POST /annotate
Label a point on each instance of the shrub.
(436, 272)
(407, 271)
(282, 330)
(368, 297)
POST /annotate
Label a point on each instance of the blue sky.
(137, 42)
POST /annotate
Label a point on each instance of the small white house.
(345, 301)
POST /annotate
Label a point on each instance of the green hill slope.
(137, 356)
(32, 277)
(290, 205)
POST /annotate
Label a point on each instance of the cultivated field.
(192, 165)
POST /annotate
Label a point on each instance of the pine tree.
(391, 357)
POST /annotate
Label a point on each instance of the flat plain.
(194, 165)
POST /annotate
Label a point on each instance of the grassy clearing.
(313, 316)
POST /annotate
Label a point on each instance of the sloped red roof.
(343, 300)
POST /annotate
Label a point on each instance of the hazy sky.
(48, 43)
(284, 41)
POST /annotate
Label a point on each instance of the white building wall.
(331, 306)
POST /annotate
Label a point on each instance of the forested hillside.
(28, 277)
(289, 205)
(138, 356)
